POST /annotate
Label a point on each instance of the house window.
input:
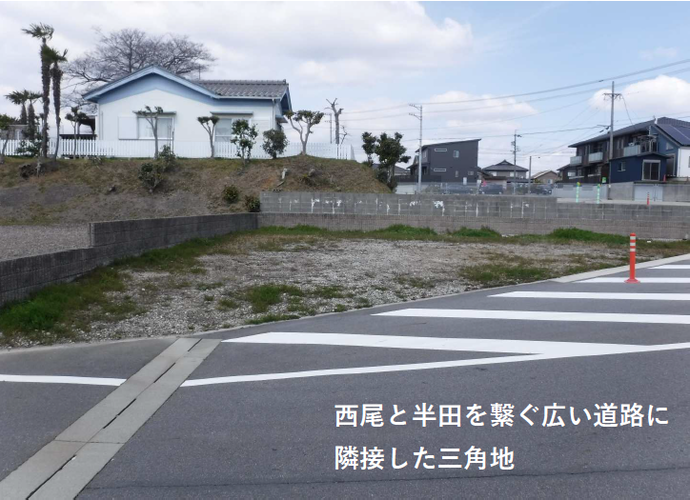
(512, 174)
(456, 154)
(470, 173)
(440, 150)
(621, 166)
(439, 170)
(457, 174)
(165, 128)
(650, 170)
(669, 146)
(224, 130)
(571, 173)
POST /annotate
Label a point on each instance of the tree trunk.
(74, 138)
(337, 129)
(4, 147)
(213, 149)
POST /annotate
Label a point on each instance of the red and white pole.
(633, 248)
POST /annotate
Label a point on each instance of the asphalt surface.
(257, 418)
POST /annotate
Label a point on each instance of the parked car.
(460, 189)
(491, 189)
(542, 189)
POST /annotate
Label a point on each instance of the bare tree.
(342, 139)
(151, 116)
(43, 32)
(303, 121)
(209, 124)
(336, 114)
(122, 52)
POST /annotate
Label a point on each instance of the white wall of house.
(117, 120)
(683, 162)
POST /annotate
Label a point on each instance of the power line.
(558, 89)
(526, 94)
(520, 102)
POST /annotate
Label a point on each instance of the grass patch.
(180, 258)
(55, 306)
(340, 308)
(484, 232)
(489, 275)
(227, 304)
(415, 282)
(261, 297)
(574, 234)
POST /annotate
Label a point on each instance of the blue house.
(655, 150)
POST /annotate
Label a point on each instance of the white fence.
(145, 149)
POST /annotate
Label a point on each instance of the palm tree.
(32, 121)
(44, 32)
(19, 98)
(54, 58)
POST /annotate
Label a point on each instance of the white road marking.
(673, 266)
(51, 379)
(663, 319)
(432, 343)
(641, 280)
(568, 350)
(595, 295)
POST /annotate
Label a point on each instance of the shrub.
(167, 157)
(252, 203)
(151, 174)
(275, 142)
(231, 194)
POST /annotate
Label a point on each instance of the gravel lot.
(333, 275)
(24, 241)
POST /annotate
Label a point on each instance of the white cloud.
(663, 95)
(328, 43)
(659, 53)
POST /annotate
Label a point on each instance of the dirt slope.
(79, 190)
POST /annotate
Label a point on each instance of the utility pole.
(529, 181)
(515, 150)
(419, 158)
(613, 96)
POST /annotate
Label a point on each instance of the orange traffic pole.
(633, 245)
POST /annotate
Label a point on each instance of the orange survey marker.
(633, 245)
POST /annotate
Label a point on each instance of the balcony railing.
(632, 150)
(575, 160)
(596, 157)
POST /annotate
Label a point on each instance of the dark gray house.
(447, 162)
(649, 151)
(505, 171)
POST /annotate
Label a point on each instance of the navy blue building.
(654, 150)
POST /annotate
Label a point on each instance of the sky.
(377, 58)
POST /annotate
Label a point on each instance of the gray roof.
(246, 88)
(676, 129)
(504, 166)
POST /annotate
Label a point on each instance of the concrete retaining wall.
(506, 214)
(111, 241)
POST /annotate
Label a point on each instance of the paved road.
(279, 410)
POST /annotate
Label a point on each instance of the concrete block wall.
(111, 241)
(506, 214)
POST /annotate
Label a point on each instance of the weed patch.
(261, 297)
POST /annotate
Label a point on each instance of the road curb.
(620, 269)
